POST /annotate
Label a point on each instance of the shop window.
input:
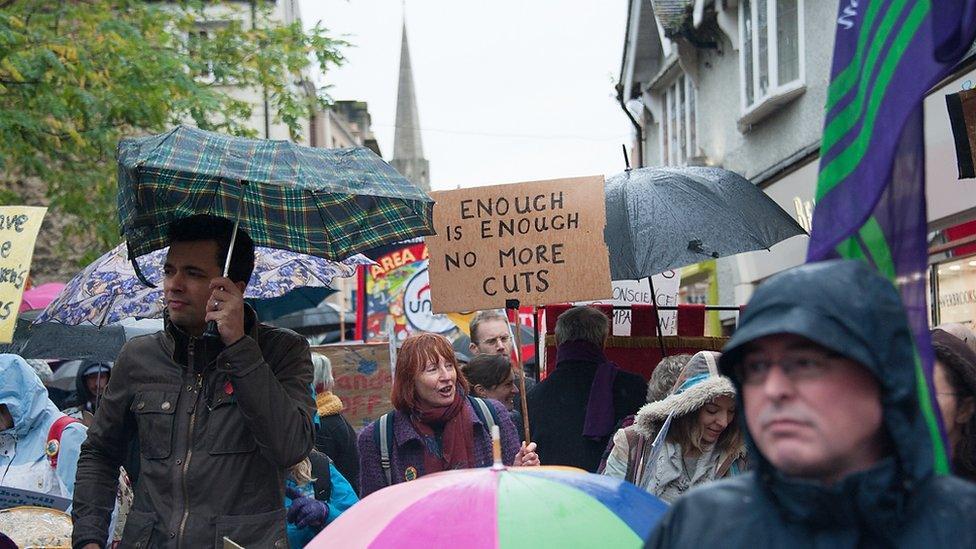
(956, 291)
(679, 139)
(771, 56)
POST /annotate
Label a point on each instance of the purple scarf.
(599, 408)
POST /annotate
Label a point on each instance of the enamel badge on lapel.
(52, 448)
(228, 388)
(410, 473)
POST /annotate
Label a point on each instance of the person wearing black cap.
(824, 364)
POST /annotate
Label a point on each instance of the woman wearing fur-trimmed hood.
(688, 438)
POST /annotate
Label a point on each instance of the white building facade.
(741, 84)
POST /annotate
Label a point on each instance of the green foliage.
(77, 76)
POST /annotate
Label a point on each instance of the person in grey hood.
(90, 384)
(823, 362)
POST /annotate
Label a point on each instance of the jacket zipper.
(189, 446)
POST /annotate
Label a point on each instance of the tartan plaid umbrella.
(329, 203)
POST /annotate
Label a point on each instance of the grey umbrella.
(664, 218)
(56, 341)
(314, 319)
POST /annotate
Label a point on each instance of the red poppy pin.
(228, 388)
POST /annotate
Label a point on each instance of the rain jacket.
(407, 457)
(23, 461)
(215, 436)
(335, 437)
(557, 413)
(342, 497)
(846, 307)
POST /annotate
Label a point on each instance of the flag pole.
(513, 304)
(657, 317)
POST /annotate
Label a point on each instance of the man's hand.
(526, 456)
(226, 306)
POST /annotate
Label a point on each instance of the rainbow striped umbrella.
(499, 508)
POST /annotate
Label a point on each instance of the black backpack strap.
(322, 474)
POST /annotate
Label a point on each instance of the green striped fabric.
(329, 203)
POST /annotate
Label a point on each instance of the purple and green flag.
(871, 189)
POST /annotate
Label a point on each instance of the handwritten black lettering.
(453, 232)
(485, 288)
(470, 259)
(15, 222)
(520, 226)
(501, 206)
(540, 254)
(13, 276)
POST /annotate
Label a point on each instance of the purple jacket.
(408, 448)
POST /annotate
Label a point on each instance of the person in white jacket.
(27, 450)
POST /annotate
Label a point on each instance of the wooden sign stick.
(513, 304)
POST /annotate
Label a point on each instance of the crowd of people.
(805, 430)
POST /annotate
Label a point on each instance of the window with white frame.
(196, 41)
(197, 44)
(679, 140)
(771, 55)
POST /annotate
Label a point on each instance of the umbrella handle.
(212, 332)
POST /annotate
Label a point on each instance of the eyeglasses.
(796, 367)
(503, 339)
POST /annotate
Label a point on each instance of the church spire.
(408, 150)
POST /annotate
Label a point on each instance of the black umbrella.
(665, 218)
(315, 319)
(56, 341)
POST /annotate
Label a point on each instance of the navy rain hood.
(850, 309)
(847, 307)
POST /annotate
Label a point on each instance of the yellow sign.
(18, 232)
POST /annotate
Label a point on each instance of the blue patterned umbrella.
(108, 290)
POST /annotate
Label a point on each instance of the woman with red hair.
(436, 425)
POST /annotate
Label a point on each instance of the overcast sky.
(507, 90)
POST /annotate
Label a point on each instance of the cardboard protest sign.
(18, 232)
(363, 379)
(539, 242)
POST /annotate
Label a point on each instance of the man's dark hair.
(583, 323)
(487, 370)
(203, 227)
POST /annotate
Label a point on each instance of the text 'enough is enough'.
(541, 203)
